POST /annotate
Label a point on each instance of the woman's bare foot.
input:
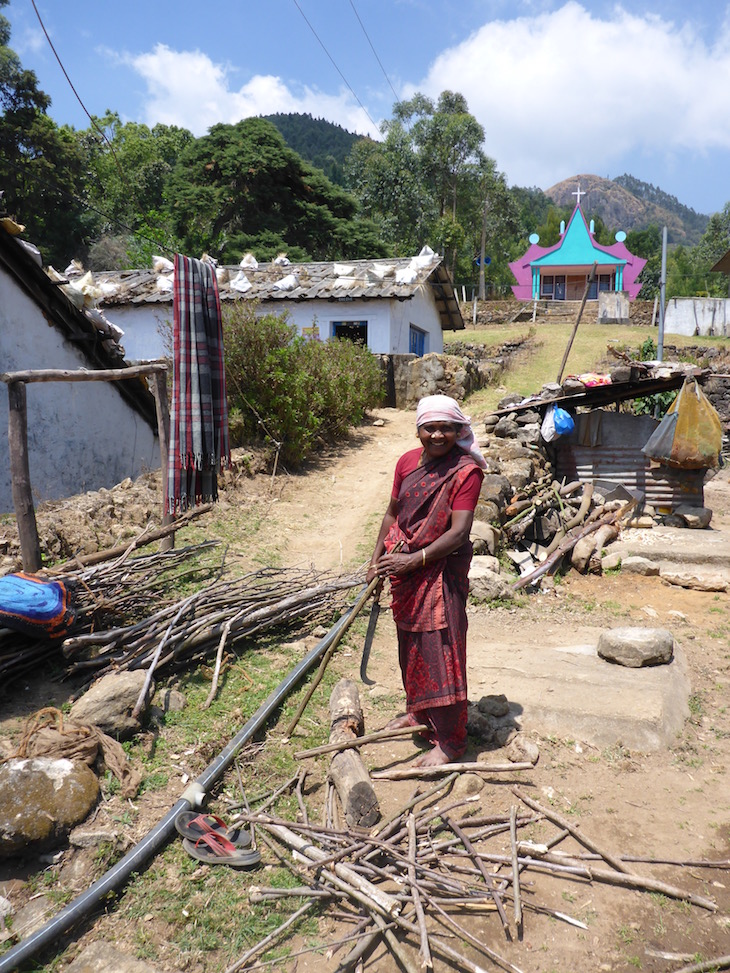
(399, 722)
(434, 758)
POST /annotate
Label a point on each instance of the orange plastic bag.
(690, 434)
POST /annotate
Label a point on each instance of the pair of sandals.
(209, 839)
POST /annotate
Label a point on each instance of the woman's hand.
(397, 564)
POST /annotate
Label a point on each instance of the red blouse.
(466, 496)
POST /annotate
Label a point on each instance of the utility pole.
(662, 297)
(482, 252)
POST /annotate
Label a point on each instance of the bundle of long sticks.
(115, 592)
(180, 632)
(409, 882)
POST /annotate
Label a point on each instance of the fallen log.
(347, 771)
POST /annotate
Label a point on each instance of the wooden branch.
(708, 966)
(425, 951)
(515, 870)
(471, 851)
(93, 375)
(464, 768)
(562, 822)
(162, 408)
(329, 653)
(376, 737)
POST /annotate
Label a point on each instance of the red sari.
(429, 604)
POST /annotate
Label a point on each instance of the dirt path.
(672, 802)
(330, 515)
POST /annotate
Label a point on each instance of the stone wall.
(464, 370)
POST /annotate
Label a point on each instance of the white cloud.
(567, 92)
(187, 88)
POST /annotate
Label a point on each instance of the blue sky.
(561, 88)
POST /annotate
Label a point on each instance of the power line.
(85, 204)
(321, 44)
(354, 10)
(98, 128)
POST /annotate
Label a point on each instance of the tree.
(427, 181)
(42, 171)
(241, 187)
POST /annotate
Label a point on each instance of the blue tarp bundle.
(35, 607)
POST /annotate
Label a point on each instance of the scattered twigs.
(471, 851)
(515, 871)
(582, 839)
(404, 884)
(406, 773)
(707, 966)
(261, 946)
(377, 737)
(425, 951)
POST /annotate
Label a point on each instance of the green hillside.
(322, 143)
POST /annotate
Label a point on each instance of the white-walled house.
(397, 306)
(83, 435)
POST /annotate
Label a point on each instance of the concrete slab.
(568, 690)
(675, 544)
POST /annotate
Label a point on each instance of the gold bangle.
(423, 557)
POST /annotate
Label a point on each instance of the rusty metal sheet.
(617, 458)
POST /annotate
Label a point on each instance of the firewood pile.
(130, 613)
(414, 883)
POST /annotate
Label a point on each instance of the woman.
(424, 547)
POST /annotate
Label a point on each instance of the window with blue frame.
(356, 331)
(416, 341)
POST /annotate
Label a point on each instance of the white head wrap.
(442, 408)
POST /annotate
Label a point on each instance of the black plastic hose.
(193, 796)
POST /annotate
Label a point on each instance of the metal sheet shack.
(605, 447)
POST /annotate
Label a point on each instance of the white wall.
(388, 322)
(81, 436)
(147, 329)
(697, 316)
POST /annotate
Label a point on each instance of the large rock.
(484, 537)
(41, 800)
(636, 647)
(102, 957)
(109, 703)
(695, 517)
(496, 488)
(489, 587)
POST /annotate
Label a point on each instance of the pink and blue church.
(560, 272)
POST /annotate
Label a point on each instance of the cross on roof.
(578, 193)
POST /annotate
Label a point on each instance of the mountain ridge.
(627, 203)
(623, 203)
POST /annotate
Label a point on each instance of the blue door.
(417, 341)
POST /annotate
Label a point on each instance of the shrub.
(290, 390)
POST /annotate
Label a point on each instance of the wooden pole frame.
(18, 440)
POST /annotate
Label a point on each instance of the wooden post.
(159, 390)
(20, 475)
(589, 280)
